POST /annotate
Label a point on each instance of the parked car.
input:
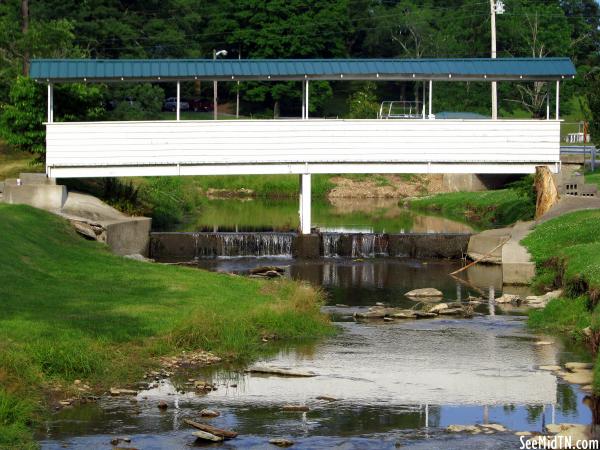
(198, 104)
(170, 104)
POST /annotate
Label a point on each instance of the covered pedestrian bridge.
(306, 145)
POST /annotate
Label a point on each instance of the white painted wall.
(296, 146)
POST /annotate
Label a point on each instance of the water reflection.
(340, 216)
(396, 383)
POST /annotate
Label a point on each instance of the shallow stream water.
(397, 384)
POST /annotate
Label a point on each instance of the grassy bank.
(13, 163)
(267, 186)
(487, 209)
(566, 251)
(71, 310)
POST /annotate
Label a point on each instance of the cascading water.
(230, 245)
(331, 244)
(368, 245)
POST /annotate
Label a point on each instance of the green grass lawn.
(71, 310)
(486, 209)
(13, 163)
(273, 186)
(593, 178)
(566, 251)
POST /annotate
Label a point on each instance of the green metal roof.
(100, 70)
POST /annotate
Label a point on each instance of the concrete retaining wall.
(187, 246)
(43, 196)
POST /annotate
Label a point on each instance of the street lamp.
(496, 7)
(216, 54)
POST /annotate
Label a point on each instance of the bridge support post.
(50, 103)
(305, 203)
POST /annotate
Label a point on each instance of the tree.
(535, 29)
(21, 121)
(22, 118)
(279, 29)
(137, 102)
(363, 103)
(593, 100)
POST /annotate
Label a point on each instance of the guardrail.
(584, 150)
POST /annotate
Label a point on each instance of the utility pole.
(237, 97)
(496, 7)
(494, 83)
(24, 30)
(215, 90)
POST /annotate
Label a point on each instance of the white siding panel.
(123, 145)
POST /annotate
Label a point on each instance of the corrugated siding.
(64, 69)
(118, 144)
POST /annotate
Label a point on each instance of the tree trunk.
(276, 109)
(545, 187)
(24, 30)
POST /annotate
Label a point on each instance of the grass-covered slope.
(567, 251)
(71, 310)
(567, 255)
(480, 209)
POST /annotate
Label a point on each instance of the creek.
(395, 384)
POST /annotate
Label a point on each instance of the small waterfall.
(331, 244)
(369, 245)
(230, 245)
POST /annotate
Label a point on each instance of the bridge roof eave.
(474, 69)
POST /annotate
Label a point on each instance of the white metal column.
(50, 103)
(303, 100)
(557, 100)
(430, 98)
(305, 203)
(307, 96)
(178, 100)
(547, 101)
(494, 84)
(424, 92)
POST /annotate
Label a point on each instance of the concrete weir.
(188, 246)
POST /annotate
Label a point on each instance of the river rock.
(550, 368)
(162, 405)
(281, 442)
(292, 408)
(424, 315)
(265, 269)
(438, 308)
(575, 366)
(280, 371)
(523, 433)
(327, 398)
(508, 298)
(118, 440)
(209, 413)
(425, 292)
(540, 301)
(576, 432)
(463, 429)
(405, 314)
(494, 426)
(451, 312)
(206, 436)
(116, 392)
(579, 377)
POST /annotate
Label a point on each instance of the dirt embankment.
(385, 186)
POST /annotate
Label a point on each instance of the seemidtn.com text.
(557, 442)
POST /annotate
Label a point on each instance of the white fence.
(300, 146)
